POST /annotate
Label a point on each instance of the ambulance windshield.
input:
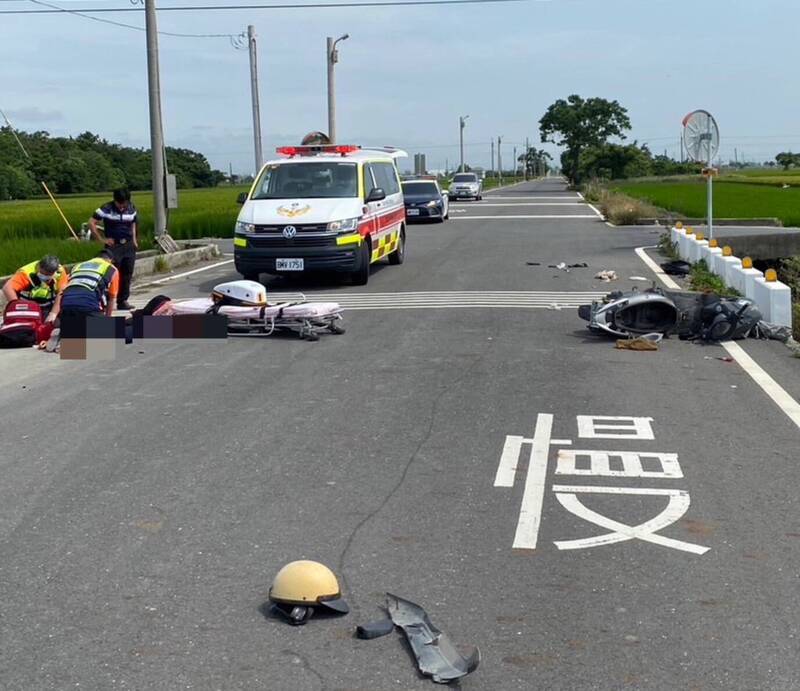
(326, 179)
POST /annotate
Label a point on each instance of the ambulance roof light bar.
(341, 149)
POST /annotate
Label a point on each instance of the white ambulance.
(322, 208)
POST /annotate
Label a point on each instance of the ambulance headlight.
(432, 203)
(348, 225)
(242, 227)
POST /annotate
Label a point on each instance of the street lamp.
(332, 59)
(461, 122)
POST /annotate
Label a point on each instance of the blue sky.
(407, 73)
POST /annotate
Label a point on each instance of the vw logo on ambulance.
(289, 232)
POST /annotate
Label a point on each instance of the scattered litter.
(638, 343)
(436, 654)
(579, 265)
(561, 266)
(725, 359)
(606, 276)
(733, 386)
(678, 267)
(638, 278)
(534, 263)
(375, 629)
(707, 357)
(554, 306)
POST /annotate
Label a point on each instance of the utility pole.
(527, 149)
(499, 162)
(156, 129)
(332, 59)
(491, 165)
(516, 163)
(251, 42)
(461, 122)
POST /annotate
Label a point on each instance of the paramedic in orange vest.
(92, 288)
(40, 282)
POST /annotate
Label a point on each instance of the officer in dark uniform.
(120, 220)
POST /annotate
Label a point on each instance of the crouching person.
(92, 288)
(41, 282)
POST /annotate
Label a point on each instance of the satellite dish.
(701, 136)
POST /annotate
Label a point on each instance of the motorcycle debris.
(606, 276)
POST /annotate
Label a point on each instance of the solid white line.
(484, 204)
(562, 197)
(779, 395)
(189, 273)
(774, 390)
(530, 512)
(507, 468)
(561, 305)
(591, 206)
(599, 489)
(503, 218)
(655, 268)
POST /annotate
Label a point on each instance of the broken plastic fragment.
(436, 654)
(375, 629)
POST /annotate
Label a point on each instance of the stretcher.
(307, 319)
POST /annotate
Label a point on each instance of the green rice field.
(32, 228)
(731, 199)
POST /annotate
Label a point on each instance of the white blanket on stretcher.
(304, 310)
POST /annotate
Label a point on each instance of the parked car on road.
(424, 199)
(466, 186)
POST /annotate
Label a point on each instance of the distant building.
(419, 164)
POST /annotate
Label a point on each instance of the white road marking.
(774, 390)
(530, 514)
(655, 268)
(507, 468)
(537, 198)
(189, 273)
(678, 505)
(591, 206)
(779, 395)
(449, 300)
(540, 216)
(485, 204)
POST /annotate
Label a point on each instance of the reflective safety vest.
(43, 294)
(94, 275)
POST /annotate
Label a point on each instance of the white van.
(322, 208)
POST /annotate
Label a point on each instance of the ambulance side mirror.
(242, 198)
(376, 195)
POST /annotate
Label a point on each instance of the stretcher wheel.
(337, 329)
(311, 336)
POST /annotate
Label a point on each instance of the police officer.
(120, 220)
(40, 282)
(92, 288)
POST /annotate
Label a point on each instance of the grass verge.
(704, 281)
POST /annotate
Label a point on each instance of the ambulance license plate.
(289, 264)
(412, 212)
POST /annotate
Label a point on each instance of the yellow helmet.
(301, 585)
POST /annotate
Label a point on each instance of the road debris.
(374, 629)
(437, 656)
(639, 343)
(677, 267)
(726, 359)
(562, 266)
(533, 263)
(606, 276)
(638, 278)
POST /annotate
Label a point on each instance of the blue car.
(425, 200)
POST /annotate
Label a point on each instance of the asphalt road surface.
(590, 518)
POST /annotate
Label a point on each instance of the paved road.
(450, 454)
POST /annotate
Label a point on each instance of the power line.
(79, 13)
(311, 5)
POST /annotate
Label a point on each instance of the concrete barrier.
(773, 298)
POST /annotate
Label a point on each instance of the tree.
(787, 159)
(579, 123)
(615, 161)
(535, 161)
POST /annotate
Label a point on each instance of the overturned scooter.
(705, 316)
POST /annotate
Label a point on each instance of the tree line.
(88, 163)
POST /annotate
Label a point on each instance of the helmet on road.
(301, 585)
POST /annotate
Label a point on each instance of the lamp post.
(332, 59)
(461, 123)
